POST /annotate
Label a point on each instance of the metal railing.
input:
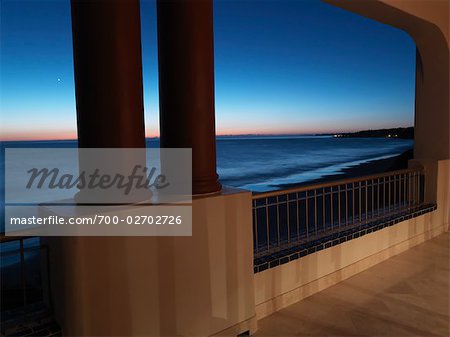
(285, 219)
(25, 267)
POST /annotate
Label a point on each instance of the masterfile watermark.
(100, 192)
(140, 177)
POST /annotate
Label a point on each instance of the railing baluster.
(298, 217)
(288, 220)
(255, 210)
(384, 196)
(395, 192)
(278, 221)
(378, 197)
(315, 211)
(323, 208)
(360, 201)
(409, 190)
(373, 201)
(22, 273)
(418, 188)
(346, 204)
(389, 195)
(403, 187)
(404, 190)
(365, 219)
(307, 216)
(339, 206)
(353, 203)
(415, 189)
(267, 224)
(331, 208)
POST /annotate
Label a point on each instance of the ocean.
(264, 163)
(269, 163)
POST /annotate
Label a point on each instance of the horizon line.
(221, 135)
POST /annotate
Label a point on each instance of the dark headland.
(401, 133)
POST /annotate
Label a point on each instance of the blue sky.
(281, 67)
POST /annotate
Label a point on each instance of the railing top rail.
(333, 183)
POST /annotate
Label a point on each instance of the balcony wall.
(160, 286)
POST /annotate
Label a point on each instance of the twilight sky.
(282, 67)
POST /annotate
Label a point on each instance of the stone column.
(108, 73)
(186, 85)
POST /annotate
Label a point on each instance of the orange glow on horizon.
(35, 135)
(38, 135)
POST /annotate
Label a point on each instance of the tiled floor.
(407, 295)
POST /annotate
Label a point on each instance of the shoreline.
(371, 167)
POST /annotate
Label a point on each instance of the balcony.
(288, 226)
(250, 256)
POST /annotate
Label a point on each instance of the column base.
(210, 185)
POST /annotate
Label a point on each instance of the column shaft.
(108, 73)
(186, 85)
